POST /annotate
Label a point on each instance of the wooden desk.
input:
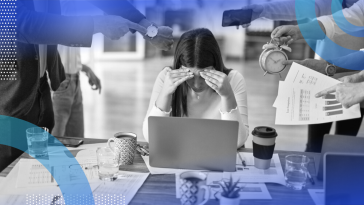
(160, 189)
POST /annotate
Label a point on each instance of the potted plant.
(230, 193)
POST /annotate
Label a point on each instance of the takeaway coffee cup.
(263, 146)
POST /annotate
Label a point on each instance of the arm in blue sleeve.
(354, 61)
(120, 8)
(44, 28)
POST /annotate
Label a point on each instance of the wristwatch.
(330, 69)
(152, 31)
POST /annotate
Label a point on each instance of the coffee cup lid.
(264, 132)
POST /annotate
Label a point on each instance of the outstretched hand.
(348, 94)
(164, 39)
(257, 11)
(114, 27)
(286, 34)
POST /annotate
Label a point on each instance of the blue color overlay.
(13, 134)
(327, 54)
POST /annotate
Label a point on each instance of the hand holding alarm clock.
(271, 59)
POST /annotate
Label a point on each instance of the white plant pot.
(228, 201)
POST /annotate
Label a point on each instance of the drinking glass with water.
(296, 171)
(37, 138)
(108, 164)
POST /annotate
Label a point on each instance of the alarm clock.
(270, 60)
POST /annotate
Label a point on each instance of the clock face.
(273, 62)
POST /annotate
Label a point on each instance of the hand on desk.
(317, 65)
(348, 94)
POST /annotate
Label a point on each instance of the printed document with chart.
(296, 102)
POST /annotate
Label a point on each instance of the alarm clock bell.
(270, 60)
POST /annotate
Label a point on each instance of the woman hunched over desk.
(199, 85)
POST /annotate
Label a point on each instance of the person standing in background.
(285, 11)
(67, 99)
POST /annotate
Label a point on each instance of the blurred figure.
(67, 99)
(199, 85)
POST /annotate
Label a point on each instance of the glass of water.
(108, 164)
(37, 138)
(296, 171)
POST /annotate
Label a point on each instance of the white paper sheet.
(32, 173)
(127, 185)
(156, 170)
(14, 200)
(81, 147)
(296, 102)
(10, 194)
(317, 195)
(252, 175)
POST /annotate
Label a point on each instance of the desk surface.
(160, 189)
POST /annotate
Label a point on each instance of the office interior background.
(128, 68)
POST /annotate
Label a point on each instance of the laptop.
(344, 178)
(189, 143)
(339, 143)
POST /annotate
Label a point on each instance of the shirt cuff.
(233, 115)
(231, 111)
(158, 112)
(329, 26)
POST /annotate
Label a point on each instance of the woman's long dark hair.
(196, 48)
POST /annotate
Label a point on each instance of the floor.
(125, 96)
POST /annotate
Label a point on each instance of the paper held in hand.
(296, 102)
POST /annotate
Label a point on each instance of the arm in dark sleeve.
(120, 8)
(354, 61)
(43, 28)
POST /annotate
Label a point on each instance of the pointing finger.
(326, 91)
(288, 62)
(136, 26)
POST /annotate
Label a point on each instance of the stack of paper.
(296, 102)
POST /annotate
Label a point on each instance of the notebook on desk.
(188, 143)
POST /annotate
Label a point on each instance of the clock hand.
(273, 60)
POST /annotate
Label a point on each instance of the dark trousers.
(41, 115)
(316, 132)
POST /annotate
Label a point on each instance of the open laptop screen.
(344, 178)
